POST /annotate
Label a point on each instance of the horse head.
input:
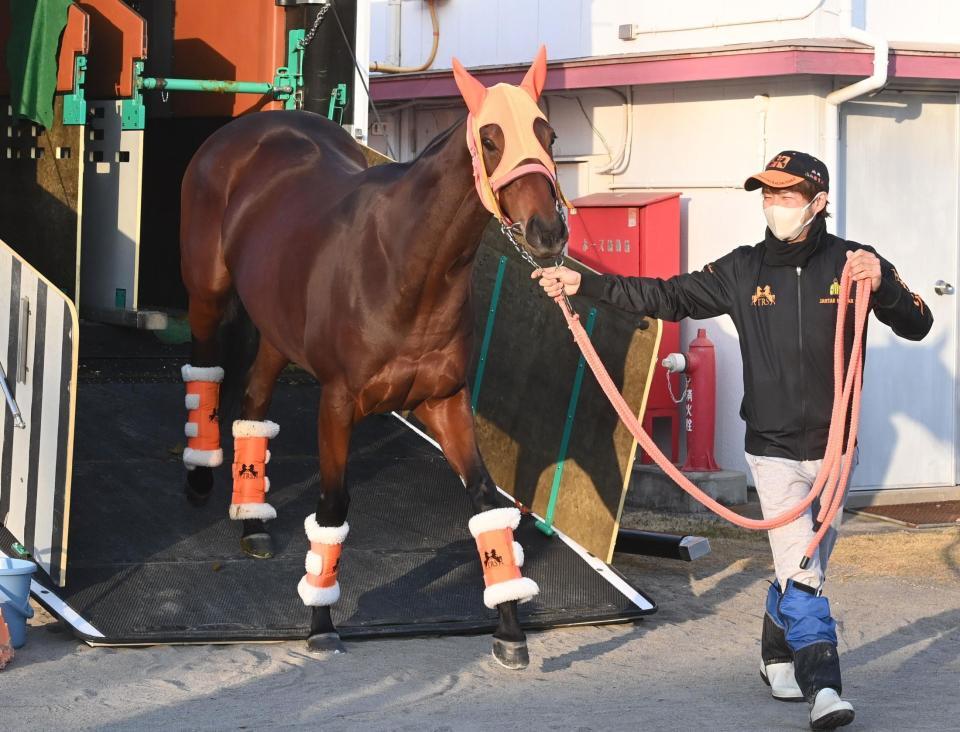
(511, 143)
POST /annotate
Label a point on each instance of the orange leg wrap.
(330, 562)
(319, 586)
(496, 556)
(249, 469)
(501, 557)
(250, 481)
(205, 418)
(202, 429)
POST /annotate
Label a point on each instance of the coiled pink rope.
(831, 481)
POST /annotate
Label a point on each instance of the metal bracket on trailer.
(74, 104)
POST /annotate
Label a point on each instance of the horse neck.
(454, 220)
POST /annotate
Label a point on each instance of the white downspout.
(833, 100)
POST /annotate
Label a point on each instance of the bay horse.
(361, 276)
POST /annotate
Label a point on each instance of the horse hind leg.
(251, 434)
(203, 376)
(209, 287)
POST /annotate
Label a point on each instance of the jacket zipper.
(803, 391)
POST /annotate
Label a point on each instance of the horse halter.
(514, 110)
(515, 113)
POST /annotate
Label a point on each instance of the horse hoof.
(325, 644)
(195, 497)
(199, 486)
(257, 546)
(511, 654)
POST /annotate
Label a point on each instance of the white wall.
(493, 32)
(920, 21)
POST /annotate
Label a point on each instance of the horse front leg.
(327, 527)
(451, 422)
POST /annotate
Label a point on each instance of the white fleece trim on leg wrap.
(191, 401)
(262, 511)
(254, 428)
(202, 458)
(317, 596)
(190, 429)
(495, 518)
(325, 534)
(522, 589)
(201, 373)
(314, 564)
(518, 553)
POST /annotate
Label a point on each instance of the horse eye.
(488, 144)
(553, 139)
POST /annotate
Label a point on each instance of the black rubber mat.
(146, 567)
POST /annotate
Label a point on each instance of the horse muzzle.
(546, 237)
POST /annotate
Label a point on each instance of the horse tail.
(239, 342)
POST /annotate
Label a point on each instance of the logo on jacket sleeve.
(918, 302)
(763, 297)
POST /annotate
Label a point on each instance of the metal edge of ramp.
(644, 604)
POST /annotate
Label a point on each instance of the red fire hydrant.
(700, 402)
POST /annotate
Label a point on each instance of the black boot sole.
(839, 718)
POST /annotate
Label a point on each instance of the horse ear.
(473, 91)
(536, 76)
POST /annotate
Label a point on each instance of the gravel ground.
(693, 665)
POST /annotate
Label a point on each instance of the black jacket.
(786, 317)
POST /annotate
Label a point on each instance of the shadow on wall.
(39, 190)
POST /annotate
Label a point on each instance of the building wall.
(495, 32)
(702, 139)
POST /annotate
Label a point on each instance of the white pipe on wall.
(805, 12)
(763, 104)
(622, 162)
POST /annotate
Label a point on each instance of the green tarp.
(32, 50)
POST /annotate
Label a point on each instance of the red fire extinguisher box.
(637, 235)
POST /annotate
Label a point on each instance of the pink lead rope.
(834, 474)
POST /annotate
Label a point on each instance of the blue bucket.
(15, 597)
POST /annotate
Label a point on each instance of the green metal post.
(74, 105)
(133, 115)
(338, 100)
(291, 75)
(488, 333)
(546, 526)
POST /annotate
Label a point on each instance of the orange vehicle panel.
(75, 42)
(118, 37)
(235, 40)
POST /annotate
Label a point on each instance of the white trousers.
(781, 485)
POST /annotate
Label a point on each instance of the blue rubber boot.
(776, 668)
(811, 634)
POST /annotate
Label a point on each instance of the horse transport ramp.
(146, 567)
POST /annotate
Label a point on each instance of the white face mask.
(786, 223)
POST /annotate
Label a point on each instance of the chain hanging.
(307, 39)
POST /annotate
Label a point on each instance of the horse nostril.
(540, 233)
